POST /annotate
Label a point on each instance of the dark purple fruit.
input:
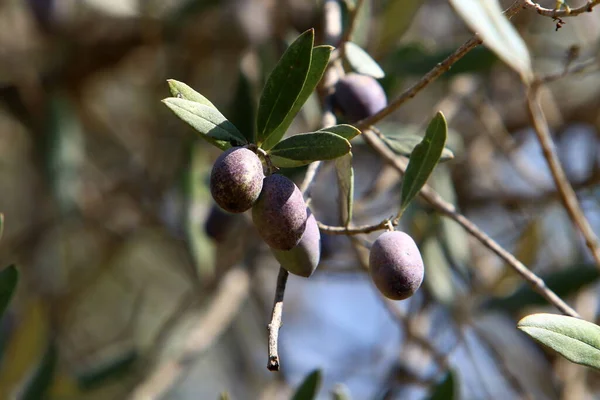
(303, 258)
(359, 96)
(236, 179)
(219, 223)
(396, 265)
(280, 213)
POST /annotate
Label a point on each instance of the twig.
(565, 190)
(432, 75)
(568, 12)
(578, 69)
(351, 25)
(273, 364)
(232, 292)
(450, 211)
(342, 230)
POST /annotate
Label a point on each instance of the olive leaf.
(447, 389)
(1, 225)
(423, 159)
(183, 91)
(318, 64)
(9, 277)
(243, 108)
(208, 121)
(348, 132)
(345, 176)
(305, 148)
(362, 62)
(575, 339)
(309, 387)
(114, 369)
(38, 385)
(404, 145)
(283, 87)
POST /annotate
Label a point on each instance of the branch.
(342, 230)
(567, 12)
(273, 364)
(565, 190)
(450, 211)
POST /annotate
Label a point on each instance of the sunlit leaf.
(305, 148)
(283, 86)
(485, 17)
(38, 385)
(348, 132)
(345, 177)
(9, 277)
(318, 64)
(183, 91)
(208, 121)
(309, 388)
(575, 339)
(423, 159)
(362, 62)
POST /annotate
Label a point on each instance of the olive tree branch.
(342, 230)
(450, 211)
(565, 190)
(275, 324)
(567, 12)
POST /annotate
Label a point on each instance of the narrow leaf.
(362, 62)
(405, 144)
(345, 177)
(243, 107)
(9, 277)
(348, 132)
(423, 159)
(309, 388)
(284, 85)
(112, 370)
(212, 125)
(318, 64)
(305, 148)
(485, 17)
(183, 91)
(1, 225)
(39, 384)
(575, 339)
(446, 389)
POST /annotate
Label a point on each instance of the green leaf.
(243, 107)
(575, 339)
(396, 18)
(318, 64)
(305, 148)
(212, 125)
(114, 369)
(9, 277)
(564, 283)
(498, 34)
(362, 62)
(39, 384)
(309, 388)
(284, 85)
(447, 389)
(423, 159)
(345, 177)
(405, 144)
(348, 132)
(183, 91)
(1, 225)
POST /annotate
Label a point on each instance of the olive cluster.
(281, 217)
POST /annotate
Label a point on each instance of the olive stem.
(567, 12)
(273, 327)
(343, 230)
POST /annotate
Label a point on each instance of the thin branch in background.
(583, 67)
(567, 12)
(275, 324)
(565, 190)
(450, 211)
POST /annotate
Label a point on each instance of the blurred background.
(130, 293)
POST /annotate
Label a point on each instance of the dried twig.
(273, 364)
(567, 12)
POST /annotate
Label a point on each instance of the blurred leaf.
(564, 283)
(1, 225)
(40, 382)
(404, 145)
(224, 396)
(212, 125)
(183, 91)
(348, 132)
(575, 339)
(308, 147)
(423, 159)
(309, 388)
(340, 392)
(284, 86)
(113, 369)
(362, 26)
(362, 62)
(439, 273)
(485, 17)
(395, 19)
(446, 389)
(9, 277)
(243, 107)
(318, 64)
(345, 177)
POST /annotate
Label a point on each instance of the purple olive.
(359, 96)
(236, 179)
(395, 265)
(303, 259)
